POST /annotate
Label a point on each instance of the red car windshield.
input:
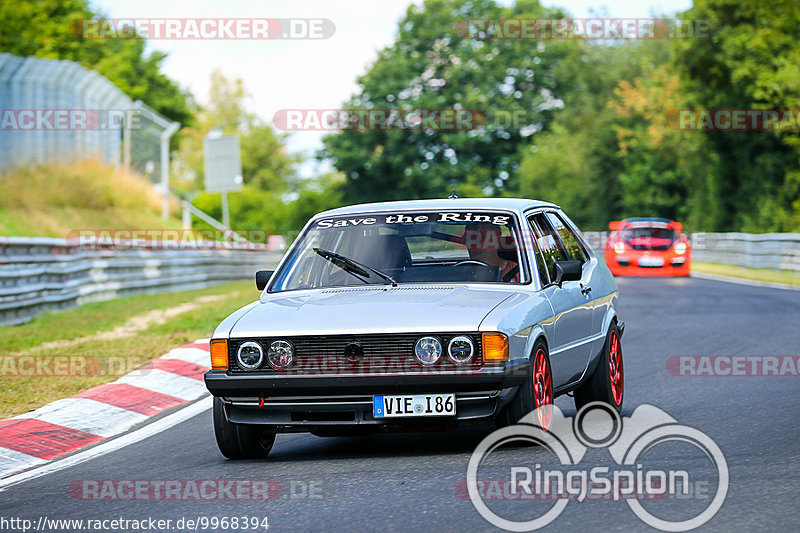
(648, 238)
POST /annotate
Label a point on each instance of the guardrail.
(779, 251)
(43, 274)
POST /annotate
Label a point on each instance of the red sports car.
(647, 247)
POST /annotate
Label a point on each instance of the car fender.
(537, 331)
(523, 318)
(610, 316)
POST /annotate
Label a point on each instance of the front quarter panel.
(524, 317)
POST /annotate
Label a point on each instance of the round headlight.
(619, 247)
(250, 355)
(428, 350)
(460, 349)
(280, 354)
(680, 248)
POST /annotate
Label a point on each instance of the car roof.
(648, 219)
(512, 204)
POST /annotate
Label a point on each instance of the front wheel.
(536, 392)
(240, 441)
(606, 384)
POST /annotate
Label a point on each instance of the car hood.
(365, 310)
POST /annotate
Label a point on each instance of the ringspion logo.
(549, 489)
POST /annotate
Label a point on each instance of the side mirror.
(568, 271)
(678, 226)
(262, 278)
(614, 225)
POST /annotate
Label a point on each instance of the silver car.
(421, 315)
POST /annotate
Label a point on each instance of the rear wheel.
(537, 391)
(240, 441)
(607, 382)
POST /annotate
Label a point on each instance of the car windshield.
(646, 233)
(647, 236)
(403, 247)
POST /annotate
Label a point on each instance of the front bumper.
(628, 265)
(302, 402)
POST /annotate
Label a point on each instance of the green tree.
(433, 65)
(751, 61)
(52, 29)
(275, 213)
(576, 162)
(664, 170)
(266, 163)
(272, 200)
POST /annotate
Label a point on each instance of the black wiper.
(353, 267)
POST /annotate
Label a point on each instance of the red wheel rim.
(542, 388)
(615, 366)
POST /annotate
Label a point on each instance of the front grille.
(649, 247)
(382, 353)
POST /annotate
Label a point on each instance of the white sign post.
(222, 168)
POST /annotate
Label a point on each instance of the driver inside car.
(486, 244)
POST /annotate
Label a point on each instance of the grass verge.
(19, 394)
(755, 274)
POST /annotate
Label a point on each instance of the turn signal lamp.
(219, 354)
(495, 347)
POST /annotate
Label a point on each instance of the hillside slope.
(52, 200)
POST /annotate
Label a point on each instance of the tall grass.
(52, 200)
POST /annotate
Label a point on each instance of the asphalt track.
(407, 482)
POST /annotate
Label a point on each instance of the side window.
(549, 246)
(572, 247)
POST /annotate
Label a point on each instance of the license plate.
(651, 262)
(414, 405)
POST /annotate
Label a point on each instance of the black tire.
(599, 387)
(240, 441)
(527, 398)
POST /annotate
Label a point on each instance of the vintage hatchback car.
(418, 315)
(648, 247)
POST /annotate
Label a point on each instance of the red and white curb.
(91, 416)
